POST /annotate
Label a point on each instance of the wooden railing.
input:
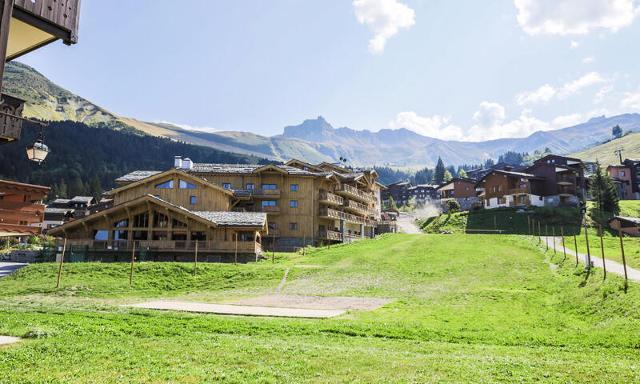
(275, 193)
(168, 245)
(330, 198)
(10, 118)
(329, 235)
(357, 207)
(270, 209)
(333, 214)
(355, 193)
(516, 191)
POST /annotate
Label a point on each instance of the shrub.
(453, 206)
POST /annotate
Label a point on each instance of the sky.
(452, 69)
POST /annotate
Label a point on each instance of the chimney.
(187, 163)
(177, 161)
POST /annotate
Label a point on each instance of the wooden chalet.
(622, 176)
(26, 25)
(284, 206)
(21, 208)
(628, 225)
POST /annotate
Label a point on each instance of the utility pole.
(619, 153)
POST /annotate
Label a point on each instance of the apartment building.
(278, 206)
(21, 208)
(399, 191)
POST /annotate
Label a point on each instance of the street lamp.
(38, 151)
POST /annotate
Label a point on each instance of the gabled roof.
(82, 199)
(507, 173)
(234, 219)
(135, 176)
(171, 171)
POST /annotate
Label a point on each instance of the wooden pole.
(564, 249)
(624, 260)
(604, 265)
(539, 233)
(528, 225)
(133, 258)
(64, 248)
(553, 235)
(495, 222)
(575, 244)
(304, 243)
(195, 260)
(546, 235)
(235, 258)
(586, 237)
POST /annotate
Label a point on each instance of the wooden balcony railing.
(334, 214)
(356, 207)
(355, 193)
(330, 198)
(10, 118)
(168, 245)
(270, 209)
(518, 191)
(329, 235)
(258, 193)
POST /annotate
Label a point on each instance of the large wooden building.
(26, 25)
(281, 206)
(21, 208)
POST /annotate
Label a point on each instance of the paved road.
(612, 266)
(8, 268)
(407, 224)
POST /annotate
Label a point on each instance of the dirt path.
(612, 266)
(6, 340)
(407, 224)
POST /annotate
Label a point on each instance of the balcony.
(330, 235)
(167, 245)
(10, 118)
(328, 213)
(270, 209)
(356, 194)
(257, 193)
(356, 207)
(519, 191)
(564, 180)
(329, 198)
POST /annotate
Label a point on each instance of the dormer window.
(226, 185)
(165, 185)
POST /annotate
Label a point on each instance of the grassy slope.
(605, 152)
(467, 308)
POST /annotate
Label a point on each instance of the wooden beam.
(6, 7)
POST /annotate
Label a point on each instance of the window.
(293, 203)
(178, 224)
(226, 185)
(270, 187)
(294, 187)
(160, 220)
(293, 226)
(193, 200)
(186, 185)
(251, 186)
(122, 223)
(269, 203)
(272, 226)
(141, 220)
(120, 235)
(200, 236)
(165, 185)
(101, 234)
(621, 173)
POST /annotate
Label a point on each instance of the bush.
(453, 206)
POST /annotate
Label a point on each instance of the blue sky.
(468, 70)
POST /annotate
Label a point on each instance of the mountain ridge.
(314, 140)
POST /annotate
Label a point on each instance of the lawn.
(466, 308)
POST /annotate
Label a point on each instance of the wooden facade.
(21, 208)
(26, 25)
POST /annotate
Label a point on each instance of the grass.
(605, 153)
(466, 308)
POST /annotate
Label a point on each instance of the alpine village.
(385, 256)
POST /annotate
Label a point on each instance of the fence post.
(539, 233)
(546, 235)
(195, 260)
(495, 222)
(304, 243)
(528, 225)
(235, 257)
(624, 260)
(64, 248)
(553, 239)
(564, 249)
(133, 258)
(586, 237)
(575, 244)
(604, 265)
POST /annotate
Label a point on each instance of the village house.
(423, 192)
(21, 208)
(27, 25)
(460, 189)
(628, 225)
(279, 206)
(500, 188)
(399, 191)
(634, 168)
(621, 176)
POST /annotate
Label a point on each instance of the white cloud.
(573, 17)
(567, 120)
(433, 126)
(384, 18)
(631, 101)
(547, 92)
(602, 93)
(588, 60)
(540, 95)
(491, 123)
(574, 44)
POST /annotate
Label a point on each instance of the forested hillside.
(85, 160)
